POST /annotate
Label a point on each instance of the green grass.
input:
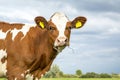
(75, 79)
(2, 79)
(80, 79)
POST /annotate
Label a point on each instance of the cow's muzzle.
(61, 43)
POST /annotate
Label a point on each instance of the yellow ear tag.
(78, 24)
(42, 25)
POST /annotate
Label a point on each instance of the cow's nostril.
(62, 40)
(66, 40)
(58, 40)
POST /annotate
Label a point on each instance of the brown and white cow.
(29, 50)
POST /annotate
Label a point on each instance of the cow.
(29, 50)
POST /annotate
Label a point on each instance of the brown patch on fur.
(2, 44)
(68, 31)
(6, 26)
(19, 36)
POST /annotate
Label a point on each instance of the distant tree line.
(96, 75)
(55, 72)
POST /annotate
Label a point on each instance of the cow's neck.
(45, 53)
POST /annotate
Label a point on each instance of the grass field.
(75, 79)
(80, 79)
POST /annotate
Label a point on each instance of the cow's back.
(11, 43)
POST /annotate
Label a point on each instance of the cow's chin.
(59, 48)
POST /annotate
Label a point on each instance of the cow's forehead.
(60, 20)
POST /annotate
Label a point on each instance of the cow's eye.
(51, 28)
(70, 27)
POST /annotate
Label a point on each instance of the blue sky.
(93, 48)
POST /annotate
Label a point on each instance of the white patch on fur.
(27, 71)
(42, 75)
(22, 75)
(24, 30)
(60, 20)
(46, 72)
(3, 68)
(3, 53)
(15, 31)
(3, 65)
(3, 34)
(36, 79)
(15, 78)
(29, 77)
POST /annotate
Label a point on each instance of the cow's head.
(59, 28)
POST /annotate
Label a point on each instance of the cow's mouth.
(60, 47)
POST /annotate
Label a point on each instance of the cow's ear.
(41, 22)
(78, 22)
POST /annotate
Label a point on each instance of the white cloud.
(17, 14)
